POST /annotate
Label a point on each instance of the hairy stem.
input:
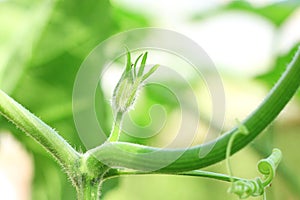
(116, 128)
(89, 190)
(38, 130)
(138, 157)
(89, 178)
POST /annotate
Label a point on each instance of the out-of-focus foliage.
(278, 68)
(276, 13)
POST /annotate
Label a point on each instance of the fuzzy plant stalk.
(87, 172)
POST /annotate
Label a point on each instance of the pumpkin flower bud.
(126, 91)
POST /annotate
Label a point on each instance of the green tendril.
(268, 166)
(242, 129)
(126, 91)
(246, 188)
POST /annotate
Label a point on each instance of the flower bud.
(126, 91)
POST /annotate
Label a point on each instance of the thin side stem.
(138, 157)
(116, 128)
(39, 131)
(195, 173)
(241, 130)
(228, 153)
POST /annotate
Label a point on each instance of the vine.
(87, 171)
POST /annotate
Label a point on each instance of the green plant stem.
(195, 173)
(88, 178)
(38, 130)
(116, 128)
(135, 157)
(89, 190)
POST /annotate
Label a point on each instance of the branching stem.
(39, 131)
(135, 157)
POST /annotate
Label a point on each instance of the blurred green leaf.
(269, 78)
(18, 36)
(103, 111)
(277, 13)
(128, 19)
(109, 185)
(161, 95)
(74, 27)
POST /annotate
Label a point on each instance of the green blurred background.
(43, 43)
